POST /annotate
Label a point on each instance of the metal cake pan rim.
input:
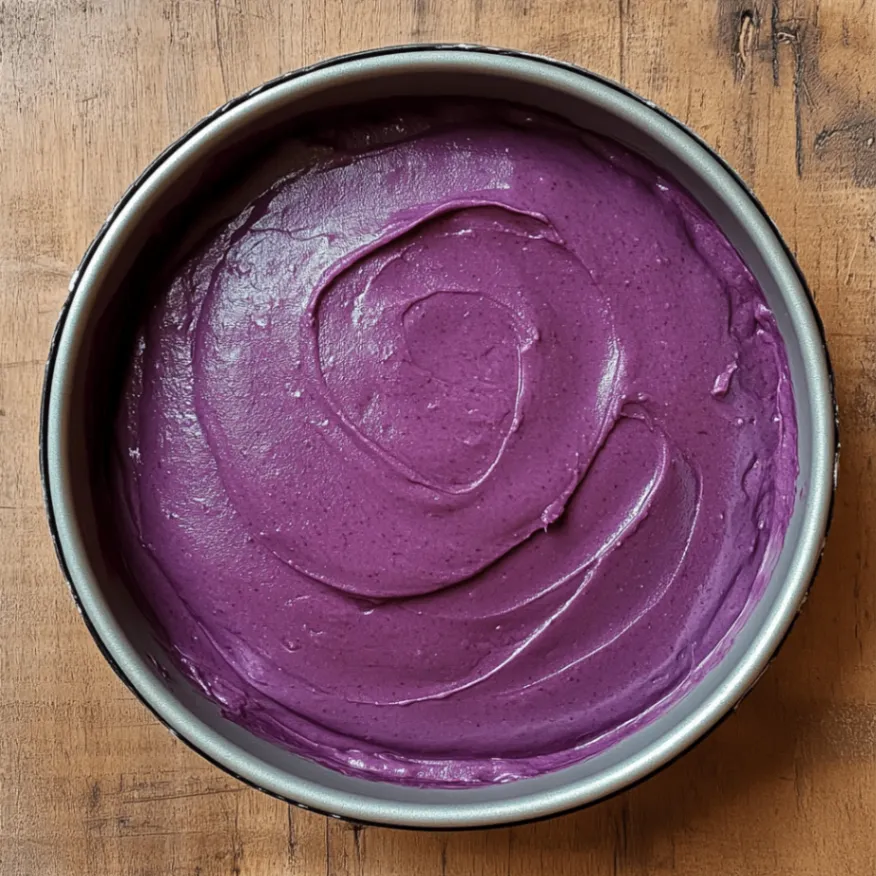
(360, 807)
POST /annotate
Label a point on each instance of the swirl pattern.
(458, 453)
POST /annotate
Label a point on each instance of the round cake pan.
(80, 374)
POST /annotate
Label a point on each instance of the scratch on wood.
(620, 848)
(774, 43)
(856, 144)
(749, 22)
(48, 266)
(291, 839)
(149, 798)
(93, 795)
(142, 833)
(864, 130)
(798, 786)
(21, 363)
(801, 38)
(237, 846)
(280, 64)
(220, 50)
(357, 843)
(852, 260)
(234, 10)
(623, 11)
(791, 37)
(739, 36)
(422, 11)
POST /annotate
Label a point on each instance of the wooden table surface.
(90, 90)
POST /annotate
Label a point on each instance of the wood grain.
(89, 91)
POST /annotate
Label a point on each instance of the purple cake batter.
(459, 453)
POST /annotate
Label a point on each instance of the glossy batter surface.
(459, 453)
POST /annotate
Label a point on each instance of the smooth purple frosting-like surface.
(459, 453)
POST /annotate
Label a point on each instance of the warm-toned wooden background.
(90, 90)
